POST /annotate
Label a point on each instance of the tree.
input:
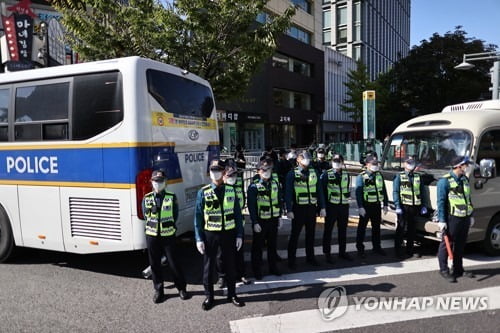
(218, 40)
(425, 81)
(359, 81)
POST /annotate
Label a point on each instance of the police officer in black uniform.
(218, 223)
(161, 210)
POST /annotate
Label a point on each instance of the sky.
(479, 18)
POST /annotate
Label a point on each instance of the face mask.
(305, 162)
(215, 175)
(336, 165)
(231, 180)
(410, 167)
(266, 174)
(321, 155)
(158, 186)
(374, 168)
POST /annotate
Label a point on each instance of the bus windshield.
(433, 150)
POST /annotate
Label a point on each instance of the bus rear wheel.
(6, 237)
(491, 243)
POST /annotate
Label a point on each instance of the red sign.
(10, 33)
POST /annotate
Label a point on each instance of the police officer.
(161, 210)
(408, 195)
(303, 194)
(264, 207)
(336, 186)
(368, 152)
(455, 216)
(370, 194)
(218, 223)
(320, 164)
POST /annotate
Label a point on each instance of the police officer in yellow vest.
(160, 210)
(408, 196)
(336, 186)
(454, 216)
(264, 207)
(218, 223)
(370, 195)
(303, 195)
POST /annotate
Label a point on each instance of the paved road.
(52, 292)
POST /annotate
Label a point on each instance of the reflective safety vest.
(338, 187)
(410, 192)
(162, 218)
(305, 189)
(267, 199)
(239, 191)
(373, 187)
(459, 197)
(215, 215)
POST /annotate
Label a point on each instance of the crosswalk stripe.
(356, 273)
(295, 321)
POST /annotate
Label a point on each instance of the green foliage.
(358, 82)
(218, 40)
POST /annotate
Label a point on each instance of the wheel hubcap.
(495, 236)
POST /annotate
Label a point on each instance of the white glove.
(290, 215)
(257, 228)
(322, 212)
(280, 223)
(362, 212)
(399, 211)
(423, 210)
(201, 247)
(472, 221)
(385, 209)
(239, 243)
(442, 226)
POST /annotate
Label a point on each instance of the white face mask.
(305, 162)
(158, 186)
(410, 167)
(336, 165)
(231, 180)
(266, 174)
(215, 175)
(374, 168)
(321, 155)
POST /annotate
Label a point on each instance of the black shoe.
(292, 266)
(236, 301)
(245, 281)
(448, 277)
(345, 256)
(275, 271)
(184, 295)
(362, 254)
(207, 304)
(221, 283)
(466, 274)
(313, 262)
(380, 251)
(158, 296)
(329, 259)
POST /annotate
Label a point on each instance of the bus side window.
(489, 146)
(4, 114)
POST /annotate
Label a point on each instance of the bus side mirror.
(487, 168)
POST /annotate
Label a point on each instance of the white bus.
(78, 144)
(471, 129)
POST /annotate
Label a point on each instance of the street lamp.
(495, 70)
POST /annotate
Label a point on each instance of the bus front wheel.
(6, 238)
(491, 243)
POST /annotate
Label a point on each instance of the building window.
(341, 35)
(342, 16)
(327, 21)
(356, 52)
(263, 17)
(280, 61)
(327, 37)
(300, 34)
(291, 64)
(342, 49)
(291, 99)
(303, 4)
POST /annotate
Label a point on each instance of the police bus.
(468, 129)
(78, 144)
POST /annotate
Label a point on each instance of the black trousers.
(340, 214)
(226, 241)
(157, 247)
(373, 213)
(268, 234)
(406, 222)
(304, 215)
(458, 228)
(239, 262)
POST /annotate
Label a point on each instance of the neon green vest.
(305, 189)
(267, 201)
(239, 191)
(372, 188)
(338, 188)
(163, 218)
(459, 197)
(215, 215)
(408, 192)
